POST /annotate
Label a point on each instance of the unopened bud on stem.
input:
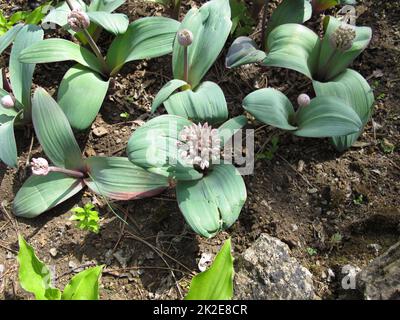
(8, 102)
(40, 167)
(303, 100)
(78, 20)
(185, 37)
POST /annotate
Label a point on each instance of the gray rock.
(266, 271)
(380, 280)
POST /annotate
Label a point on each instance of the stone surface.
(266, 271)
(381, 278)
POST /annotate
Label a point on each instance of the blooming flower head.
(78, 20)
(40, 166)
(7, 102)
(303, 100)
(343, 37)
(199, 145)
(185, 37)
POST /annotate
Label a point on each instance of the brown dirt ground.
(281, 200)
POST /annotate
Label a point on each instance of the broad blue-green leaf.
(115, 23)
(205, 104)
(154, 148)
(6, 113)
(217, 282)
(105, 5)
(8, 145)
(145, 38)
(119, 179)
(355, 90)
(243, 51)
(21, 73)
(230, 127)
(214, 202)
(34, 275)
(333, 62)
(210, 25)
(81, 95)
(289, 11)
(327, 117)
(41, 193)
(293, 46)
(55, 50)
(8, 38)
(84, 285)
(54, 132)
(169, 88)
(272, 107)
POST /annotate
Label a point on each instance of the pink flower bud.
(40, 167)
(78, 20)
(303, 100)
(8, 102)
(185, 37)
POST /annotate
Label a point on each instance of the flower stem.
(71, 173)
(93, 45)
(263, 23)
(185, 65)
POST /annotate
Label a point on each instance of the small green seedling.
(386, 146)
(26, 17)
(311, 251)
(35, 277)
(359, 200)
(270, 153)
(88, 219)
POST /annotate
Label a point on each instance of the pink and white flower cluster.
(199, 145)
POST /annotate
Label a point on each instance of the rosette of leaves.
(185, 95)
(210, 199)
(325, 116)
(113, 177)
(296, 47)
(35, 277)
(84, 86)
(18, 86)
(244, 50)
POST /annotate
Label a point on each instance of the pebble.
(72, 264)
(100, 131)
(312, 190)
(375, 247)
(53, 252)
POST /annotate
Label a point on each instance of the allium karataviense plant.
(113, 177)
(325, 61)
(199, 41)
(15, 91)
(85, 85)
(210, 192)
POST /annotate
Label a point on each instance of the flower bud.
(303, 100)
(343, 37)
(40, 167)
(8, 102)
(185, 37)
(78, 20)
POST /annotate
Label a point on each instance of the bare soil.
(327, 206)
